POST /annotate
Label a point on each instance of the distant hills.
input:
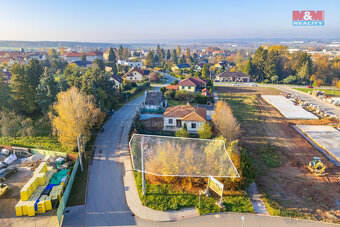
(7, 44)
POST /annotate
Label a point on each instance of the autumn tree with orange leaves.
(73, 115)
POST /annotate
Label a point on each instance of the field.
(329, 92)
(280, 155)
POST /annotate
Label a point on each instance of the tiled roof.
(192, 81)
(186, 113)
(117, 78)
(94, 53)
(72, 54)
(233, 74)
(171, 87)
(153, 98)
(144, 72)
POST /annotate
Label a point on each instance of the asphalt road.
(106, 204)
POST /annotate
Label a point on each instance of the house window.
(183, 87)
(193, 125)
(170, 121)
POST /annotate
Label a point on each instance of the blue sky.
(157, 20)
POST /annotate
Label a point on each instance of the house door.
(178, 123)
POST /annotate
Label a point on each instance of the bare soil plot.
(248, 90)
(291, 184)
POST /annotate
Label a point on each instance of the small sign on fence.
(215, 185)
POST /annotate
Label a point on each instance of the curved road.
(106, 204)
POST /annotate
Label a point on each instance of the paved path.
(256, 200)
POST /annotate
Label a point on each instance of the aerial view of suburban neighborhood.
(170, 113)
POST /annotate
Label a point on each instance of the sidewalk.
(255, 197)
(131, 193)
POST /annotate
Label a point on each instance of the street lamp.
(243, 218)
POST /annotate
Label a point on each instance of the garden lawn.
(166, 197)
(45, 143)
(329, 92)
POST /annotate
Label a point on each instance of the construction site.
(295, 178)
(32, 184)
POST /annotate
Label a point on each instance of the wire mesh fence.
(183, 157)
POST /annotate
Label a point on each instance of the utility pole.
(80, 158)
(84, 147)
(142, 160)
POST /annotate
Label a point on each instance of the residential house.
(192, 84)
(221, 64)
(154, 100)
(131, 64)
(180, 67)
(176, 117)
(233, 77)
(91, 56)
(7, 75)
(117, 80)
(37, 56)
(136, 75)
(71, 57)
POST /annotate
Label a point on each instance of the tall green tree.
(120, 52)
(83, 57)
(99, 64)
(259, 62)
(168, 54)
(247, 68)
(4, 92)
(174, 57)
(47, 91)
(112, 55)
(24, 83)
(150, 61)
(205, 71)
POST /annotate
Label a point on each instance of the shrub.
(182, 132)
(205, 131)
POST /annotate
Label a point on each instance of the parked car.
(111, 112)
(3, 189)
(6, 173)
(3, 165)
(310, 86)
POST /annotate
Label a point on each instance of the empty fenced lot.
(281, 166)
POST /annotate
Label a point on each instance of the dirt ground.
(248, 90)
(12, 195)
(292, 185)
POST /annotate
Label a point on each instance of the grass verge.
(133, 97)
(276, 210)
(166, 197)
(45, 143)
(330, 92)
